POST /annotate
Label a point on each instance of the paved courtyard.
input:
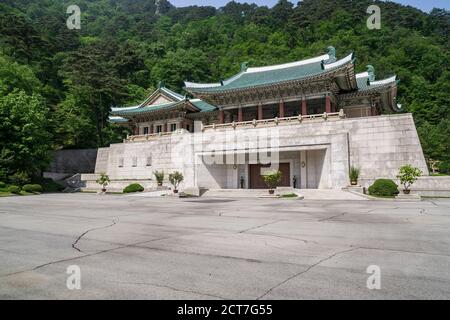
(209, 248)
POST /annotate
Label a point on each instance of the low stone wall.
(66, 163)
(115, 185)
(429, 186)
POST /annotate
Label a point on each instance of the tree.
(25, 142)
(175, 179)
(272, 179)
(408, 175)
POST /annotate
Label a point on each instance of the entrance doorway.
(256, 179)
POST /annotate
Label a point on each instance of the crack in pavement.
(407, 251)
(305, 271)
(136, 244)
(260, 226)
(74, 245)
(171, 288)
(332, 217)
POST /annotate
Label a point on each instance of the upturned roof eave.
(241, 89)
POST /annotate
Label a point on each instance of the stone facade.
(320, 153)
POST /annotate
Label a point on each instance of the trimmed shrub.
(135, 187)
(19, 178)
(14, 189)
(32, 188)
(383, 188)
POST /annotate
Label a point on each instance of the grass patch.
(289, 196)
(438, 175)
(9, 194)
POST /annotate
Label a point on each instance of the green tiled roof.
(140, 110)
(131, 111)
(202, 105)
(364, 84)
(253, 77)
(114, 119)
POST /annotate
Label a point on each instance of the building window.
(120, 162)
(173, 127)
(146, 130)
(134, 161)
(159, 128)
(149, 161)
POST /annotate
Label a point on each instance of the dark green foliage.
(132, 188)
(14, 189)
(32, 188)
(383, 188)
(19, 178)
(125, 48)
(2, 185)
(48, 185)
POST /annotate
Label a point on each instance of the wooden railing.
(278, 121)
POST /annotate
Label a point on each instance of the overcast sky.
(425, 5)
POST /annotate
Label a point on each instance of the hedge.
(32, 188)
(135, 187)
(383, 188)
(14, 189)
(2, 185)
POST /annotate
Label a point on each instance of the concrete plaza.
(130, 247)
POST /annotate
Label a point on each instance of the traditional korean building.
(326, 118)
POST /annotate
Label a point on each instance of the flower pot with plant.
(272, 179)
(354, 175)
(408, 175)
(175, 179)
(159, 175)
(103, 181)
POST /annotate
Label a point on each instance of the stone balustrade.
(278, 121)
(246, 124)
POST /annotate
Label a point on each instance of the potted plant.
(272, 179)
(354, 175)
(175, 179)
(103, 181)
(159, 175)
(408, 175)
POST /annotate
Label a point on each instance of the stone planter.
(271, 191)
(175, 191)
(160, 184)
(354, 183)
(406, 191)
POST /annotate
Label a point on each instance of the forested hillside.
(57, 85)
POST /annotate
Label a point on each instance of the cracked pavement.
(159, 248)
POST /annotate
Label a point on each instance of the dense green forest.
(58, 85)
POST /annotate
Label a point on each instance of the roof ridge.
(289, 64)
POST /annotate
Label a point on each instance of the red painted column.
(260, 112)
(136, 130)
(221, 116)
(281, 113)
(328, 104)
(240, 116)
(165, 127)
(304, 107)
(151, 129)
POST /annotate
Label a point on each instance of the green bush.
(19, 178)
(14, 189)
(2, 185)
(135, 187)
(32, 188)
(272, 178)
(383, 188)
